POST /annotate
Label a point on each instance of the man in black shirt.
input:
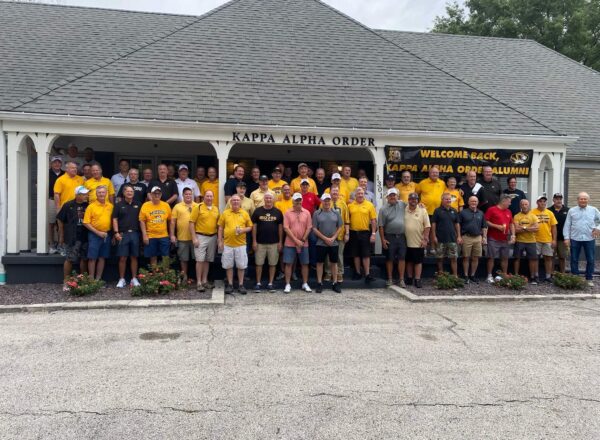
(267, 239)
(140, 190)
(254, 181)
(321, 182)
(445, 231)
(126, 227)
(471, 188)
(491, 189)
(75, 236)
(54, 173)
(168, 186)
(231, 184)
(560, 212)
(516, 195)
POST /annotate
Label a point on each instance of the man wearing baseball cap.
(154, 221)
(246, 203)
(297, 225)
(416, 229)
(391, 232)
(546, 235)
(54, 173)
(560, 213)
(276, 183)
(303, 175)
(336, 180)
(258, 195)
(327, 225)
(183, 181)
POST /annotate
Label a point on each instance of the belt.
(129, 230)
(206, 235)
(394, 235)
(472, 235)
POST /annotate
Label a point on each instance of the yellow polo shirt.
(361, 215)
(65, 186)
(526, 220)
(431, 193)
(312, 186)
(92, 184)
(182, 212)
(200, 182)
(342, 208)
(277, 188)
(207, 185)
(156, 218)
(247, 205)
(205, 219)
(284, 205)
(546, 220)
(99, 215)
(350, 185)
(258, 197)
(457, 199)
(344, 195)
(405, 190)
(229, 220)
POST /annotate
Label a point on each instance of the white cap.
(541, 197)
(81, 190)
(326, 196)
(297, 196)
(304, 181)
(336, 176)
(55, 158)
(392, 191)
(183, 167)
(155, 189)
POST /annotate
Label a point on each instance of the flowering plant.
(82, 284)
(160, 279)
(512, 282)
(444, 281)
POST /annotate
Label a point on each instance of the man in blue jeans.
(582, 228)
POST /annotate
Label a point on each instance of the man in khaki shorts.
(203, 227)
(267, 239)
(445, 232)
(473, 229)
(546, 235)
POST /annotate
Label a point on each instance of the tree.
(571, 27)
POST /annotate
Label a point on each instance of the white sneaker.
(52, 250)
(490, 279)
(135, 282)
(590, 283)
(306, 287)
(122, 283)
(288, 288)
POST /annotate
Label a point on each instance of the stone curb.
(490, 298)
(218, 298)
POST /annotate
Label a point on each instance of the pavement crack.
(451, 329)
(337, 396)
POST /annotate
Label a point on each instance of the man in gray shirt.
(391, 232)
(327, 224)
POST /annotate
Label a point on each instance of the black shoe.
(534, 281)
(409, 281)
(241, 289)
(549, 280)
(418, 284)
(319, 288)
(369, 279)
(337, 288)
(474, 280)
(228, 289)
(356, 276)
(466, 280)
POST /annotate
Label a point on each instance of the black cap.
(263, 177)
(390, 176)
(241, 184)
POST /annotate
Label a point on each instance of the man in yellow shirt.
(286, 202)
(179, 229)
(336, 182)
(97, 180)
(211, 184)
(258, 195)
(456, 196)
(276, 184)
(97, 219)
(64, 191)
(203, 229)
(363, 230)
(154, 220)
(348, 183)
(546, 235)
(341, 207)
(526, 226)
(234, 224)
(430, 190)
(296, 183)
(406, 186)
(246, 202)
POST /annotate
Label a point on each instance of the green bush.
(83, 284)
(158, 280)
(446, 281)
(568, 281)
(512, 282)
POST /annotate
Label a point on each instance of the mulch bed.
(43, 293)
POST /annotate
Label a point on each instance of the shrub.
(568, 281)
(158, 280)
(446, 281)
(512, 282)
(83, 284)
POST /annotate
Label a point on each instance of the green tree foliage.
(571, 27)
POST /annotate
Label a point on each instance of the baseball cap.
(297, 196)
(53, 158)
(241, 184)
(542, 197)
(81, 190)
(326, 196)
(557, 195)
(276, 170)
(390, 176)
(263, 177)
(156, 189)
(303, 181)
(183, 167)
(392, 191)
(336, 176)
(413, 196)
(302, 165)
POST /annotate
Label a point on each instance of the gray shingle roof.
(532, 78)
(274, 62)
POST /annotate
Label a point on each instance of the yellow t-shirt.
(200, 182)
(349, 185)
(457, 199)
(207, 185)
(181, 212)
(258, 197)
(546, 220)
(431, 193)
(345, 196)
(92, 184)
(99, 215)
(66, 185)
(277, 188)
(204, 219)
(229, 220)
(156, 218)
(405, 190)
(526, 220)
(415, 223)
(247, 205)
(312, 186)
(284, 205)
(361, 215)
(342, 208)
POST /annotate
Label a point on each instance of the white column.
(222, 148)
(534, 176)
(3, 206)
(378, 154)
(15, 195)
(42, 143)
(557, 174)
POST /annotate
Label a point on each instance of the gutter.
(3, 195)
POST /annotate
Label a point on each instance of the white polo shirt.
(187, 183)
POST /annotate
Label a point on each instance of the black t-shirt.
(127, 215)
(445, 221)
(231, 186)
(251, 186)
(267, 223)
(561, 217)
(515, 200)
(168, 187)
(53, 177)
(71, 215)
(321, 187)
(140, 192)
(467, 192)
(491, 193)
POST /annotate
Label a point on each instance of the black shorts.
(330, 251)
(360, 243)
(415, 255)
(528, 250)
(396, 248)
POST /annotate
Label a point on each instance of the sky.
(406, 15)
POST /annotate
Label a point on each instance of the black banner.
(457, 161)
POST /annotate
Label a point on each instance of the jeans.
(589, 247)
(312, 248)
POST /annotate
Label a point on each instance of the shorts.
(157, 247)
(448, 250)
(129, 246)
(415, 255)
(185, 250)
(327, 251)
(266, 251)
(360, 244)
(498, 249)
(98, 247)
(290, 253)
(561, 250)
(472, 246)
(396, 250)
(76, 252)
(207, 248)
(544, 249)
(51, 212)
(528, 249)
(237, 255)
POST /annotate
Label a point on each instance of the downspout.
(3, 213)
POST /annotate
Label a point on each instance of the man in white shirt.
(184, 181)
(122, 176)
(72, 156)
